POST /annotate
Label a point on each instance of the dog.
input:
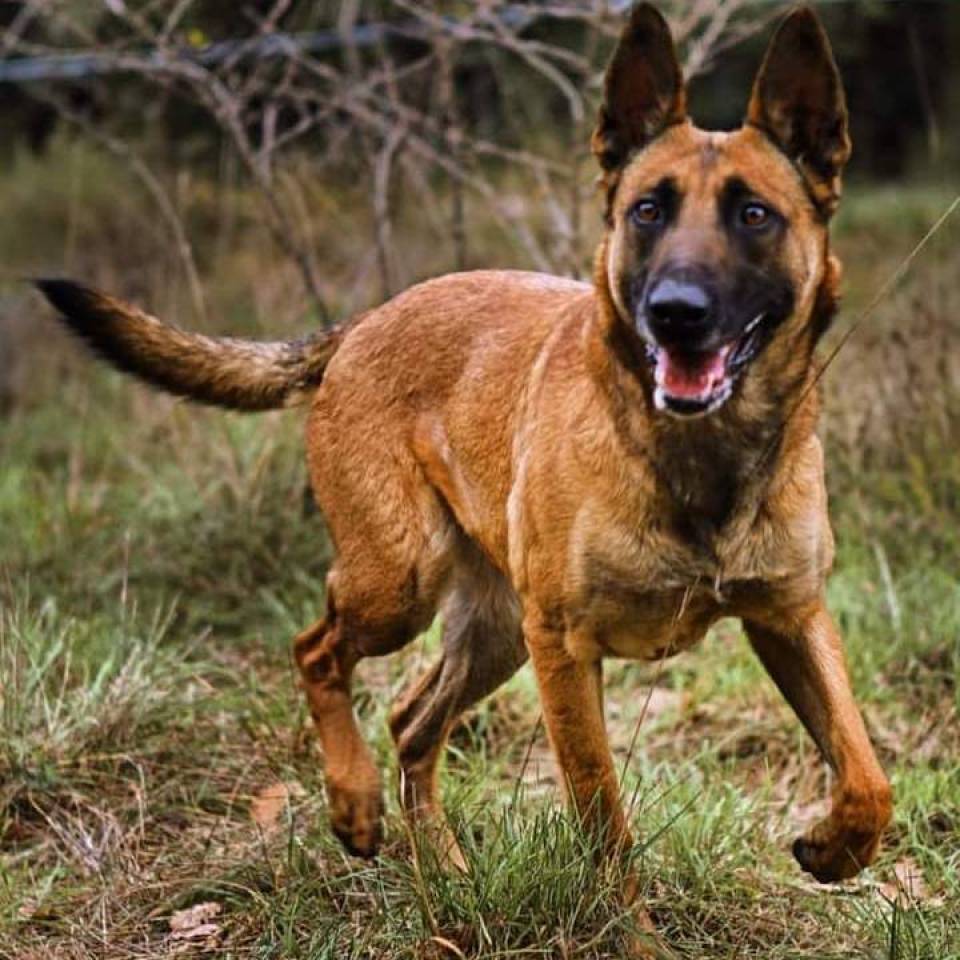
(571, 471)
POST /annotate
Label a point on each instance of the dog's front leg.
(807, 664)
(573, 715)
(571, 697)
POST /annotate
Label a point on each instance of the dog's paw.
(642, 942)
(356, 819)
(840, 846)
(832, 855)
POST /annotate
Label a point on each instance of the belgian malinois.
(570, 471)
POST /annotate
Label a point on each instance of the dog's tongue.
(690, 376)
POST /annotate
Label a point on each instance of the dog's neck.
(706, 471)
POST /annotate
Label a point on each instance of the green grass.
(156, 559)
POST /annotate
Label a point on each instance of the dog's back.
(437, 377)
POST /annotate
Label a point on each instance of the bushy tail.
(226, 372)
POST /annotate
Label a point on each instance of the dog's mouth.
(696, 382)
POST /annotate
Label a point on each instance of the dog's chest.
(639, 591)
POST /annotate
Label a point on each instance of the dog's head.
(716, 255)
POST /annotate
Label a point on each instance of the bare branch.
(381, 100)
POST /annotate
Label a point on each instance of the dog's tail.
(223, 371)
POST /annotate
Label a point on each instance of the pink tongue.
(691, 377)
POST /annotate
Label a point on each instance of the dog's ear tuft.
(798, 101)
(643, 90)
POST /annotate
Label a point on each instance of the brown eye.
(647, 211)
(754, 215)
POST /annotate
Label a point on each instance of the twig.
(153, 186)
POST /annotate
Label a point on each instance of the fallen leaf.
(195, 921)
(909, 885)
(270, 802)
(204, 931)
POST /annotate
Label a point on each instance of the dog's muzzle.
(694, 367)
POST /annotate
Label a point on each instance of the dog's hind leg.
(326, 655)
(482, 648)
(382, 591)
(395, 553)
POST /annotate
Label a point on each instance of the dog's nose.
(679, 309)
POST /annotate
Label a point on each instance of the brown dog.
(572, 471)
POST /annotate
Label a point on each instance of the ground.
(160, 788)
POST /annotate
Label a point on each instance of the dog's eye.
(754, 215)
(646, 211)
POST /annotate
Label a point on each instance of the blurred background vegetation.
(264, 167)
(317, 131)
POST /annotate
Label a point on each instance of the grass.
(156, 559)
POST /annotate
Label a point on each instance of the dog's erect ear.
(798, 102)
(643, 89)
